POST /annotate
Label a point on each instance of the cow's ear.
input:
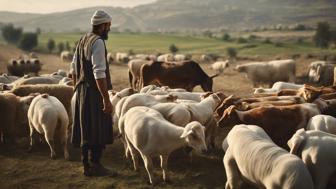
(231, 109)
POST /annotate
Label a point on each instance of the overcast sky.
(47, 6)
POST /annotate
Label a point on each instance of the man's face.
(105, 30)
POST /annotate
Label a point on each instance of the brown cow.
(184, 75)
(279, 122)
(253, 102)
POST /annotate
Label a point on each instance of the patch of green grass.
(154, 43)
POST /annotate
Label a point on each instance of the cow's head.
(228, 101)
(207, 84)
(229, 117)
(309, 93)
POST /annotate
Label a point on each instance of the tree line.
(29, 40)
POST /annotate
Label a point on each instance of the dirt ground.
(22, 170)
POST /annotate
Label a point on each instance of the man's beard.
(104, 35)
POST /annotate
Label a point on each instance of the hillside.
(186, 15)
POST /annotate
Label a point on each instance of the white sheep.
(66, 56)
(115, 97)
(150, 134)
(165, 58)
(220, 66)
(252, 156)
(325, 123)
(13, 119)
(46, 114)
(316, 150)
(278, 86)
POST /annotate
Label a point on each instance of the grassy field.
(281, 43)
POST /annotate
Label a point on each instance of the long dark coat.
(91, 125)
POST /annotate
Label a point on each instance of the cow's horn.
(214, 75)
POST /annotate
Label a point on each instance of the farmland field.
(196, 45)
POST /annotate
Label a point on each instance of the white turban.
(100, 17)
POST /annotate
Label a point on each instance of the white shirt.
(98, 60)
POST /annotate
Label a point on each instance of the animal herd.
(280, 137)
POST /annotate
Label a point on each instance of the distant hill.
(186, 15)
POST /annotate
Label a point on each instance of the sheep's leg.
(32, 137)
(233, 178)
(210, 133)
(64, 142)
(134, 154)
(164, 161)
(149, 167)
(49, 136)
(134, 83)
(126, 148)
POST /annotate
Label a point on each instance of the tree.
(11, 34)
(51, 45)
(226, 37)
(173, 49)
(38, 30)
(208, 34)
(322, 35)
(28, 41)
(67, 46)
(333, 37)
(241, 40)
(232, 52)
(60, 47)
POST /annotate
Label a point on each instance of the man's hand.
(101, 83)
(107, 107)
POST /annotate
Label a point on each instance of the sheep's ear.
(296, 141)
(203, 96)
(186, 133)
(113, 92)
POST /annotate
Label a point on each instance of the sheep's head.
(194, 134)
(258, 90)
(240, 68)
(296, 141)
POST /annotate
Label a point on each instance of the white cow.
(269, 72)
